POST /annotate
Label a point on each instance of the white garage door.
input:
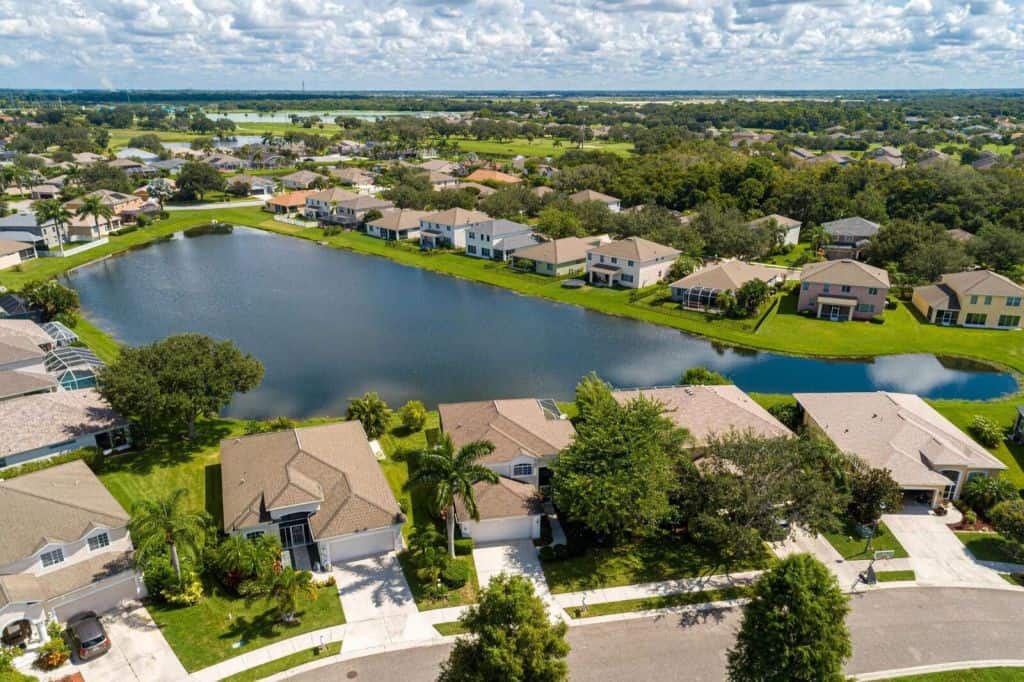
(103, 597)
(362, 545)
(494, 530)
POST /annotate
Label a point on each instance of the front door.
(293, 536)
(833, 313)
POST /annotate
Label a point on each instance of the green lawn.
(284, 663)
(631, 563)
(119, 136)
(668, 601)
(971, 675)
(207, 633)
(987, 546)
(853, 547)
(539, 147)
(789, 259)
(452, 628)
(894, 576)
(103, 344)
(1003, 412)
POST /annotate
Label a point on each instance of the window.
(615, 261)
(253, 534)
(630, 263)
(626, 278)
(845, 288)
(98, 542)
(806, 286)
(522, 470)
(1013, 301)
(974, 300)
(976, 318)
(873, 291)
(988, 300)
(865, 308)
(590, 256)
(472, 235)
(827, 288)
(1009, 320)
(485, 252)
(470, 249)
(52, 558)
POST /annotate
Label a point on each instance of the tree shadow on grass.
(214, 502)
(164, 451)
(266, 625)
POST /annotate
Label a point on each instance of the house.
(137, 154)
(169, 166)
(87, 228)
(17, 383)
(559, 257)
(259, 185)
(49, 424)
(799, 154)
(498, 239)
(848, 237)
(352, 212)
(15, 253)
(447, 229)
(923, 451)
(117, 202)
(224, 162)
(87, 158)
(788, 227)
(710, 412)
(132, 167)
(396, 224)
(66, 549)
(508, 510)
(24, 227)
(45, 191)
(633, 263)
(986, 160)
(843, 290)
(481, 190)
(486, 175)
(302, 179)
(289, 202)
(613, 204)
(960, 235)
(354, 177)
(441, 166)
(979, 298)
(318, 488)
(439, 181)
(323, 204)
(831, 157)
(23, 346)
(933, 158)
(701, 288)
(891, 156)
(541, 191)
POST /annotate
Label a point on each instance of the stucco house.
(396, 224)
(447, 229)
(117, 202)
(498, 239)
(633, 263)
(23, 226)
(258, 185)
(352, 212)
(848, 237)
(788, 227)
(66, 549)
(979, 298)
(613, 203)
(15, 253)
(701, 288)
(924, 451)
(486, 175)
(323, 204)
(302, 179)
(288, 202)
(841, 290)
(558, 257)
(318, 488)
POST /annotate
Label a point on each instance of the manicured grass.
(103, 344)
(464, 595)
(970, 675)
(853, 547)
(894, 576)
(206, 633)
(119, 136)
(652, 560)
(789, 259)
(452, 628)
(1003, 412)
(987, 546)
(540, 147)
(285, 663)
(668, 601)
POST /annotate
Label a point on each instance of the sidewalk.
(269, 653)
(648, 590)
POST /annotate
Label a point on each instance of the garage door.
(495, 530)
(102, 597)
(362, 545)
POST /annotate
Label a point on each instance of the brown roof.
(399, 219)
(354, 175)
(456, 216)
(483, 190)
(82, 573)
(780, 220)
(515, 427)
(19, 587)
(303, 176)
(61, 504)
(363, 202)
(635, 248)
(501, 500)
(484, 175)
(44, 419)
(565, 250)
(332, 465)
(938, 296)
(960, 235)
(8, 246)
(18, 348)
(591, 195)
(982, 282)
(333, 195)
(709, 411)
(845, 271)
(291, 199)
(732, 274)
(27, 329)
(14, 383)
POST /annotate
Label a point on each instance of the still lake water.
(330, 325)
(326, 116)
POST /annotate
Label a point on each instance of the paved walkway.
(648, 590)
(271, 652)
(515, 558)
(937, 556)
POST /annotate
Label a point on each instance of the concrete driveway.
(138, 651)
(936, 555)
(515, 558)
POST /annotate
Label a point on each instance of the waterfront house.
(979, 298)
(788, 228)
(66, 549)
(613, 204)
(170, 166)
(848, 237)
(447, 229)
(24, 227)
(352, 212)
(137, 154)
(323, 204)
(258, 185)
(840, 290)
(700, 289)
(289, 202)
(318, 488)
(558, 257)
(302, 179)
(498, 239)
(924, 451)
(20, 351)
(17, 383)
(484, 175)
(15, 253)
(396, 224)
(117, 202)
(633, 263)
(224, 162)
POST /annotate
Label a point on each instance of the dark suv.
(88, 638)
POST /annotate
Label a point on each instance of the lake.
(325, 116)
(330, 325)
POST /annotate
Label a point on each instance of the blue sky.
(511, 44)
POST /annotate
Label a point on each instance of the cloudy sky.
(511, 44)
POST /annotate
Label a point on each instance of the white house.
(633, 263)
(15, 253)
(447, 229)
(396, 224)
(788, 227)
(613, 203)
(498, 239)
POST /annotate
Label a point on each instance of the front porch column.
(819, 311)
(852, 308)
(40, 627)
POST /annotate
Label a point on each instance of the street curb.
(938, 668)
(725, 605)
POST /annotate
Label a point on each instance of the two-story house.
(318, 488)
(558, 257)
(498, 239)
(979, 298)
(324, 204)
(352, 212)
(788, 228)
(633, 263)
(848, 237)
(841, 290)
(396, 224)
(447, 229)
(66, 549)
(23, 226)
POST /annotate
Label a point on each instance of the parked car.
(88, 638)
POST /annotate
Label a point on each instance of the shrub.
(561, 552)
(970, 518)
(187, 593)
(985, 431)
(55, 652)
(787, 413)
(7, 656)
(331, 581)
(158, 574)
(981, 493)
(546, 554)
(702, 376)
(91, 456)
(413, 415)
(456, 573)
(464, 546)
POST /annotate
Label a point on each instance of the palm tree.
(52, 209)
(450, 476)
(240, 558)
(92, 205)
(166, 523)
(372, 413)
(283, 588)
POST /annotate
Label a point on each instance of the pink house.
(840, 290)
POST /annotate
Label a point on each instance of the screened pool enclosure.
(74, 367)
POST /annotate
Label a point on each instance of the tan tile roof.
(515, 427)
(896, 431)
(25, 328)
(565, 250)
(82, 573)
(456, 216)
(635, 248)
(591, 195)
(399, 219)
(732, 274)
(709, 411)
(501, 500)
(983, 283)
(303, 176)
(19, 587)
(330, 464)
(60, 504)
(333, 195)
(484, 175)
(362, 202)
(15, 348)
(14, 383)
(37, 421)
(354, 175)
(8, 246)
(937, 296)
(780, 220)
(845, 271)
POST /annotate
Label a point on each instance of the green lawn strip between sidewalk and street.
(284, 663)
(894, 576)
(969, 675)
(452, 628)
(660, 602)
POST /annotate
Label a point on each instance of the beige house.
(789, 228)
(558, 257)
(324, 204)
(396, 224)
(700, 289)
(841, 290)
(117, 202)
(302, 179)
(613, 203)
(319, 489)
(923, 451)
(15, 253)
(65, 549)
(632, 263)
(979, 298)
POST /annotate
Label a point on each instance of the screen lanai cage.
(698, 298)
(74, 367)
(61, 335)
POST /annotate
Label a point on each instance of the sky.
(511, 44)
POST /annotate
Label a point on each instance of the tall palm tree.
(52, 209)
(283, 588)
(450, 476)
(92, 205)
(240, 558)
(166, 523)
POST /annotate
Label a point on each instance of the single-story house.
(48, 424)
(924, 451)
(799, 154)
(354, 177)
(447, 229)
(66, 549)
(170, 166)
(498, 239)
(978, 298)
(508, 510)
(701, 288)
(483, 175)
(224, 162)
(87, 158)
(559, 257)
(44, 191)
(259, 185)
(15, 253)
(396, 224)
(789, 227)
(302, 179)
(841, 290)
(614, 205)
(137, 154)
(837, 158)
(848, 237)
(891, 156)
(20, 350)
(633, 263)
(441, 166)
(481, 190)
(17, 383)
(289, 202)
(318, 488)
